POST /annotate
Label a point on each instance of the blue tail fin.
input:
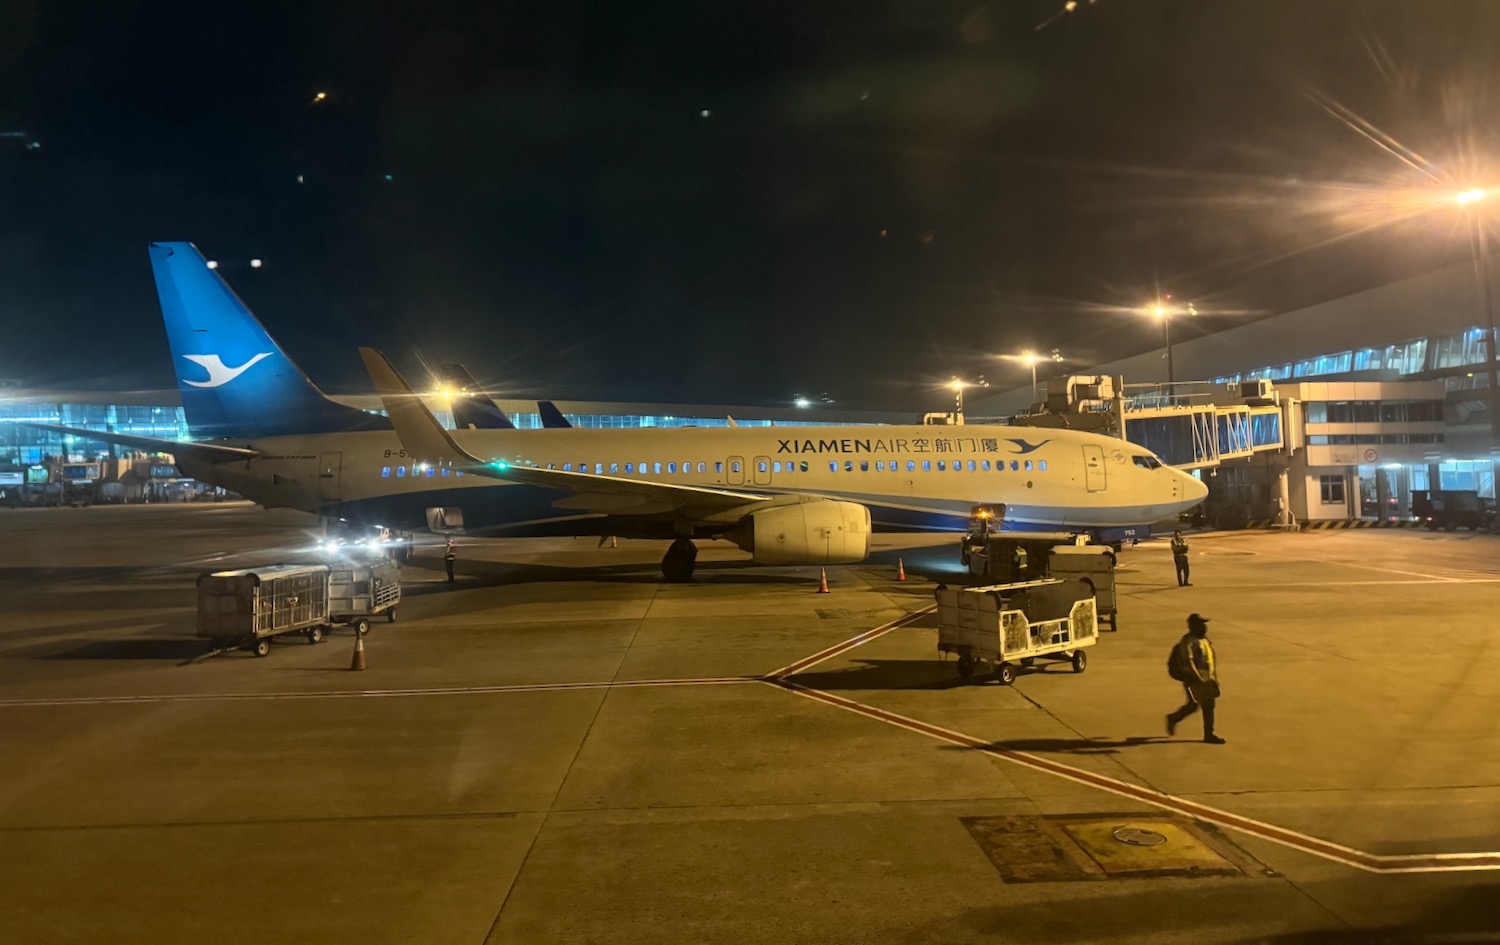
(235, 381)
(472, 408)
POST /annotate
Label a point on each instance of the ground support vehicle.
(1451, 509)
(358, 592)
(248, 607)
(1010, 625)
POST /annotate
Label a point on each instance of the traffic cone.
(823, 581)
(359, 652)
(900, 570)
(614, 542)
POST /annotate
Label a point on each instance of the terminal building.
(1333, 412)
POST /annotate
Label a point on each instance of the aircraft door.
(734, 471)
(1093, 469)
(761, 471)
(329, 475)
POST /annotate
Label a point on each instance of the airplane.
(788, 496)
(472, 407)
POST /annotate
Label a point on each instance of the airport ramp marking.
(838, 649)
(380, 693)
(1369, 862)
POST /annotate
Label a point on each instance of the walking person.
(1180, 559)
(1192, 663)
(449, 556)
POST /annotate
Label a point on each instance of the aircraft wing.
(211, 452)
(426, 440)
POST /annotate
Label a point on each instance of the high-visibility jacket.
(1200, 656)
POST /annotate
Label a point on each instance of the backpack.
(1180, 664)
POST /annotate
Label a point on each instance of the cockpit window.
(1146, 462)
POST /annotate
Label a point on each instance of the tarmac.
(558, 747)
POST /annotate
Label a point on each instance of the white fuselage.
(909, 476)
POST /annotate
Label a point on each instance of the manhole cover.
(1137, 837)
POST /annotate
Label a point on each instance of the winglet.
(420, 433)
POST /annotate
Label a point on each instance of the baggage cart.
(1011, 625)
(359, 591)
(1094, 565)
(248, 607)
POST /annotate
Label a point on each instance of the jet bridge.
(1178, 422)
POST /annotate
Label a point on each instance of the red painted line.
(839, 648)
(1401, 863)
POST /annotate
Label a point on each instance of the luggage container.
(357, 592)
(1094, 565)
(1011, 625)
(249, 607)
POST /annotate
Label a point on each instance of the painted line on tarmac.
(822, 656)
(1373, 863)
(380, 693)
(1474, 580)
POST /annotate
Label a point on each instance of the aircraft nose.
(1196, 489)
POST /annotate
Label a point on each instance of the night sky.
(729, 202)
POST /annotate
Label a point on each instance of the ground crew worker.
(1193, 665)
(449, 556)
(1180, 558)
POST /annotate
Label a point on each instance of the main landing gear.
(677, 563)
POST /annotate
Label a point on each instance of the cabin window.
(985, 465)
(458, 472)
(760, 465)
(848, 465)
(385, 472)
(703, 467)
(430, 472)
(802, 466)
(971, 465)
(1014, 465)
(864, 465)
(629, 468)
(911, 465)
(656, 468)
(1042, 465)
(445, 470)
(927, 465)
(833, 466)
(1028, 465)
(880, 465)
(718, 467)
(776, 466)
(734, 466)
(614, 469)
(942, 465)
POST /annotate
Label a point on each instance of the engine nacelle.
(818, 532)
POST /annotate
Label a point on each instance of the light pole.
(1479, 247)
(1164, 312)
(1031, 359)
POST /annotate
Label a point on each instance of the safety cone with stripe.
(823, 581)
(900, 570)
(359, 653)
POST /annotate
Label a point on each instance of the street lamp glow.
(802, 402)
(256, 263)
(1470, 196)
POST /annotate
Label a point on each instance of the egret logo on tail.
(219, 373)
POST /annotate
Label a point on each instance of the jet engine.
(818, 532)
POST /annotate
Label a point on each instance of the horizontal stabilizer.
(211, 452)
